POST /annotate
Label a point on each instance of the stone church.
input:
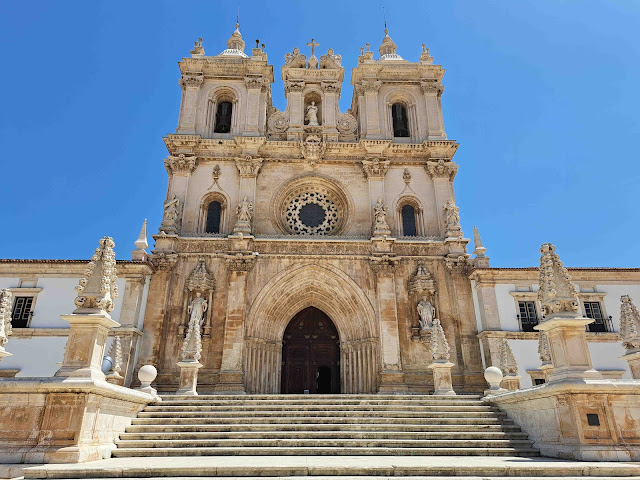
(314, 235)
(317, 247)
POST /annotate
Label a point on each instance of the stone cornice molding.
(384, 264)
(293, 86)
(192, 80)
(331, 87)
(459, 264)
(431, 87)
(375, 168)
(164, 262)
(371, 86)
(248, 166)
(441, 169)
(253, 83)
(240, 262)
(177, 164)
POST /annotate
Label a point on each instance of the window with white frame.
(24, 301)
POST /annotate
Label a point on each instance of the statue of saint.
(380, 225)
(197, 308)
(244, 211)
(312, 115)
(171, 216)
(427, 314)
(452, 215)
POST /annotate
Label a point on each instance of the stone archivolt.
(335, 293)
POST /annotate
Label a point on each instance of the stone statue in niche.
(452, 219)
(427, 313)
(312, 115)
(245, 213)
(197, 309)
(380, 227)
(171, 216)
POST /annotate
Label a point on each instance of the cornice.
(289, 151)
(43, 268)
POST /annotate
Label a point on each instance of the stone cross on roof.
(313, 45)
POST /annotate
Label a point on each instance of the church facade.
(317, 248)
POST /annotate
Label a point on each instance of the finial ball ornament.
(147, 374)
(493, 376)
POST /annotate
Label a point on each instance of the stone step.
(380, 477)
(319, 407)
(320, 420)
(340, 467)
(321, 451)
(310, 434)
(311, 401)
(323, 443)
(322, 413)
(331, 398)
(294, 427)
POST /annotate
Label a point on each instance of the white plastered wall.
(604, 355)
(40, 356)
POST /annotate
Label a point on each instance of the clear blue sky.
(543, 97)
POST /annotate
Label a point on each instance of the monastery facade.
(318, 250)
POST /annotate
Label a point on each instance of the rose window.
(312, 213)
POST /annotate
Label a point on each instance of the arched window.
(400, 120)
(409, 221)
(214, 214)
(223, 117)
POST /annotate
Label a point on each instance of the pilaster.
(293, 91)
(370, 89)
(232, 375)
(432, 93)
(190, 83)
(156, 308)
(391, 376)
(254, 87)
(442, 174)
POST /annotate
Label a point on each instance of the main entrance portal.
(311, 354)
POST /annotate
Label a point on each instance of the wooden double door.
(311, 354)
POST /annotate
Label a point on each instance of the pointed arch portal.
(334, 297)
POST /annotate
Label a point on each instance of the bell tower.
(395, 99)
(227, 95)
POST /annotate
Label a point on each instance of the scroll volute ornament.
(557, 294)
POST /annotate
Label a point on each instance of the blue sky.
(541, 95)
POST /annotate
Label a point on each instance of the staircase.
(322, 425)
(336, 437)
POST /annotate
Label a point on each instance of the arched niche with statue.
(198, 299)
(424, 302)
